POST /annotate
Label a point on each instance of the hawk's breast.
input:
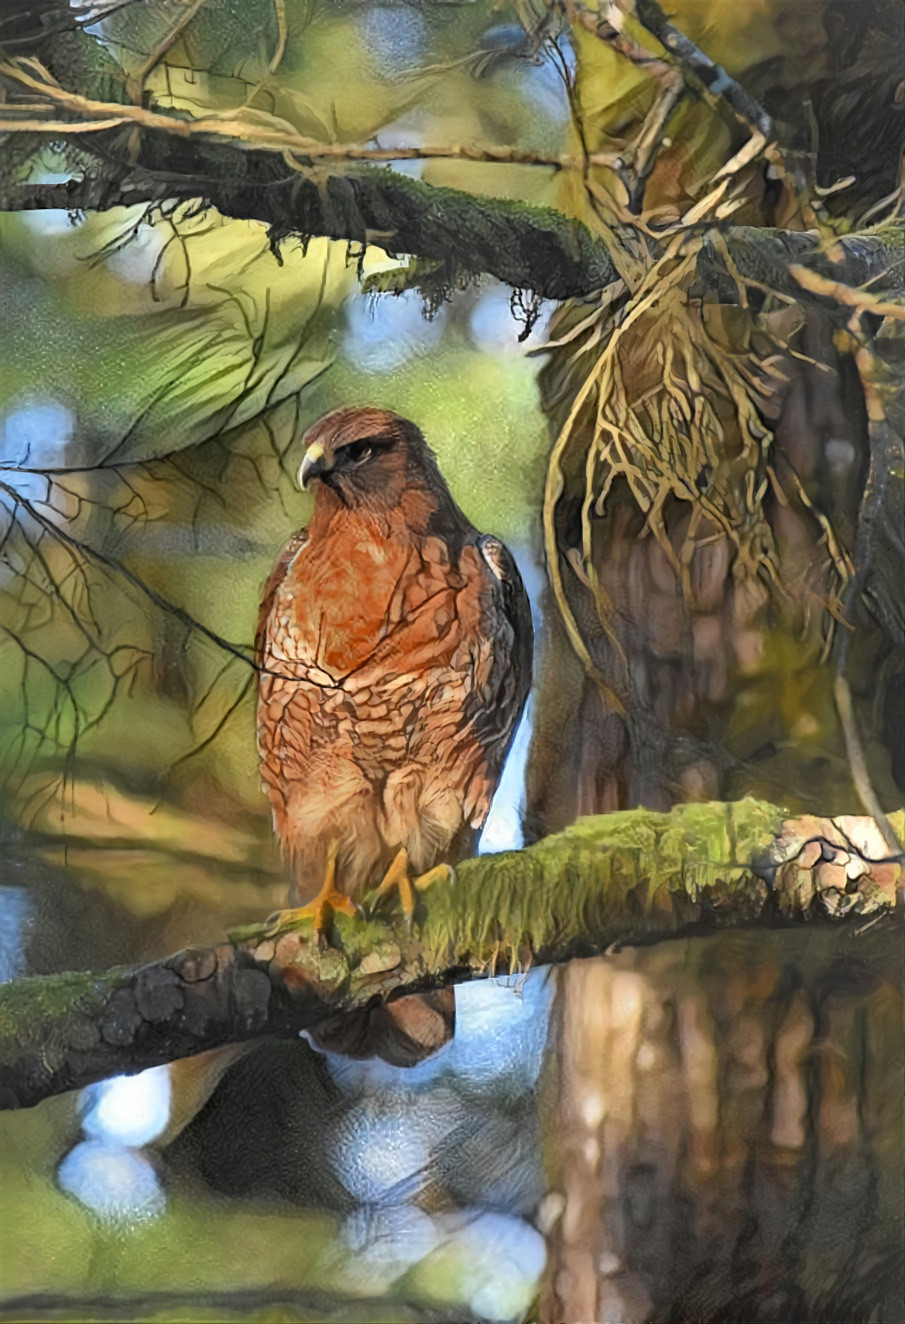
(373, 642)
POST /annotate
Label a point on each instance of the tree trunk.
(729, 1127)
(723, 515)
(728, 1143)
(729, 1134)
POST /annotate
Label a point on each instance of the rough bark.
(625, 879)
(152, 157)
(526, 246)
(728, 1122)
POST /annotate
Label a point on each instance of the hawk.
(394, 650)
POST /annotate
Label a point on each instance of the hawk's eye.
(358, 452)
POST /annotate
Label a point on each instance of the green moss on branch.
(627, 878)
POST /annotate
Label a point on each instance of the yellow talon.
(329, 901)
(439, 871)
(398, 878)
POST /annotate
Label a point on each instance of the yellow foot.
(328, 902)
(397, 878)
(324, 905)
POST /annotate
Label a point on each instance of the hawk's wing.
(274, 580)
(496, 704)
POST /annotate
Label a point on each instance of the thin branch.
(116, 567)
(137, 82)
(608, 24)
(858, 764)
(246, 128)
(309, 152)
(693, 69)
(651, 140)
(700, 70)
(845, 295)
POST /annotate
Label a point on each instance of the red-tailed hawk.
(394, 644)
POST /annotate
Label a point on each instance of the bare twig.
(89, 553)
(700, 70)
(136, 84)
(244, 126)
(608, 25)
(863, 301)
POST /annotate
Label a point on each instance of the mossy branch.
(256, 168)
(60, 84)
(526, 246)
(629, 878)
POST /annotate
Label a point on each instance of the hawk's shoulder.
(496, 556)
(510, 600)
(271, 586)
(500, 689)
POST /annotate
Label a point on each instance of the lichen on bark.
(628, 878)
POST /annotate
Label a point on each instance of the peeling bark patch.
(380, 960)
(197, 964)
(251, 995)
(287, 949)
(158, 993)
(121, 1018)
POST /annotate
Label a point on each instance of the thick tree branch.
(525, 246)
(627, 878)
(253, 166)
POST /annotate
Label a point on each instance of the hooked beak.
(314, 466)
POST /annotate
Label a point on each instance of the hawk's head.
(370, 458)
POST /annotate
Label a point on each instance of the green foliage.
(190, 356)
